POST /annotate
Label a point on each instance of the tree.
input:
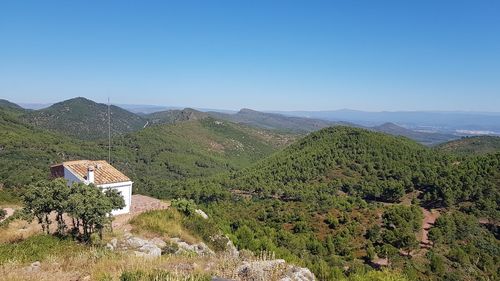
(89, 207)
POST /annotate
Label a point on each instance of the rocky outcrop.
(138, 246)
(273, 269)
(201, 213)
(200, 249)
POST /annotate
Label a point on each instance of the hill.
(472, 145)
(190, 149)
(84, 119)
(26, 152)
(174, 116)
(6, 103)
(421, 137)
(274, 121)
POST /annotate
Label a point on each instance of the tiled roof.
(104, 173)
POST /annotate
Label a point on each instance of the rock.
(264, 270)
(113, 242)
(260, 270)
(150, 250)
(158, 242)
(215, 278)
(135, 242)
(231, 249)
(201, 213)
(34, 267)
(110, 247)
(299, 274)
(200, 249)
(86, 278)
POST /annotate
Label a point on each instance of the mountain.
(164, 152)
(426, 138)
(275, 121)
(8, 104)
(196, 148)
(26, 152)
(84, 119)
(439, 121)
(304, 125)
(174, 116)
(362, 196)
(472, 145)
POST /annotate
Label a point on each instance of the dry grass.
(18, 230)
(165, 223)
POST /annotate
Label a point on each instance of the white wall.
(125, 189)
(70, 177)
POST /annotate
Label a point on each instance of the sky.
(266, 55)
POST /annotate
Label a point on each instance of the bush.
(187, 207)
(3, 213)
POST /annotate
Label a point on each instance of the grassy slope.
(472, 145)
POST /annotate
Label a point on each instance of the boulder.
(150, 250)
(265, 270)
(260, 270)
(158, 242)
(34, 267)
(135, 242)
(296, 273)
(200, 249)
(201, 213)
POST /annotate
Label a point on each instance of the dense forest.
(347, 198)
(340, 201)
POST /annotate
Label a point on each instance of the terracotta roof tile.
(104, 173)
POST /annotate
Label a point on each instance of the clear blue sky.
(283, 55)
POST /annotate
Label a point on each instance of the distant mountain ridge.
(84, 119)
(275, 121)
(6, 103)
(421, 137)
(174, 116)
(472, 145)
(435, 120)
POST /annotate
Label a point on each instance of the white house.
(100, 173)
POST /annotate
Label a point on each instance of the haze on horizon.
(265, 55)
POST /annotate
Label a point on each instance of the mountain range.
(85, 119)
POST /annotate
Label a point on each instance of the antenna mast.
(109, 132)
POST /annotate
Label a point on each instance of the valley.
(342, 200)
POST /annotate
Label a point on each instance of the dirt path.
(10, 212)
(430, 217)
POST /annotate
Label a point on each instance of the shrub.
(187, 207)
(3, 213)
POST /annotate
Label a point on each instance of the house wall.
(70, 177)
(125, 189)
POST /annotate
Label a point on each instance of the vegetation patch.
(37, 248)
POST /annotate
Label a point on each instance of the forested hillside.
(26, 152)
(350, 198)
(174, 116)
(190, 149)
(339, 201)
(84, 119)
(472, 145)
